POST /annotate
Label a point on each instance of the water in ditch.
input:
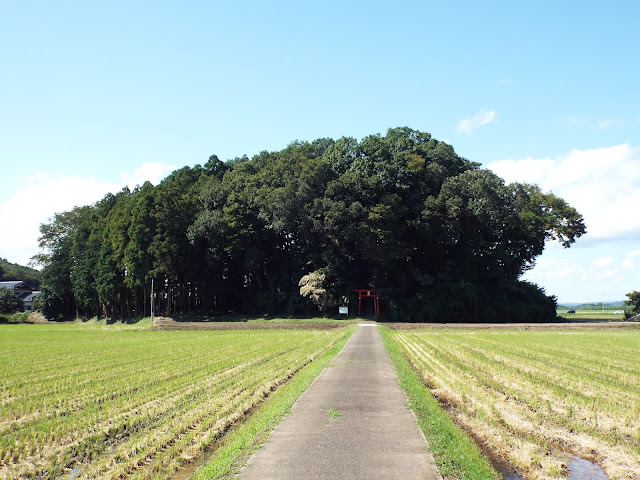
(579, 469)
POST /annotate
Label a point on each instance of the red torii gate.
(368, 293)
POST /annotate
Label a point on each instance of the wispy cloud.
(55, 195)
(584, 121)
(483, 117)
(575, 120)
(602, 184)
(630, 263)
(603, 261)
(609, 123)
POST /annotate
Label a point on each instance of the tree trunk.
(144, 302)
(169, 293)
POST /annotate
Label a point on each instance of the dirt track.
(164, 323)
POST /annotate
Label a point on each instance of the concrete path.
(353, 423)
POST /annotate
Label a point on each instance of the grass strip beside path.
(454, 452)
(244, 439)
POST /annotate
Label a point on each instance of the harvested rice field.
(107, 404)
(531, 397)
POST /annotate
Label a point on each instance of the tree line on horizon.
(440, 238)
(13, 271)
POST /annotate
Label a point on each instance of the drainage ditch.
(577, 469)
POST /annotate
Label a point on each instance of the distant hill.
(612, 305)
(13, 271)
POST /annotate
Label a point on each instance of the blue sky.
(96, 95)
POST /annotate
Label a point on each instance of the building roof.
(18, 288)
(13, 284)
(31, 296)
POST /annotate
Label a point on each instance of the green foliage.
(9, 303)
(12, 271)
(37, 303)
(15, 318)
(633, 301)
(440, 238)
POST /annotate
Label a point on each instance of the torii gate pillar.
(368, 294)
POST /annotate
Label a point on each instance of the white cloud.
(575, 120)
(556, 269)
(599, 274)
(602, 184)
(584, 121)
(483, 117)
(603, 262)
(43, 196)
(609, 123)
(575, 277)
(631, 260)
(151, 171)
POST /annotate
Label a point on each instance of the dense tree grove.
(439, 237)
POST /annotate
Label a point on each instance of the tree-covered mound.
(292, 231)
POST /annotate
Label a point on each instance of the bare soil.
(165, 323)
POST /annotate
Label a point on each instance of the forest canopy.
(296, 231)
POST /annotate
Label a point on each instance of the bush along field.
(133, 403)
(533, 397)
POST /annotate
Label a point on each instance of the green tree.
(115, 241)
(56, 240)
(633, 301)
(137, 258)
(84, 250)
(82, 273)
(37, 304)
(174, 256)
(9, 303)
(108, 280)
